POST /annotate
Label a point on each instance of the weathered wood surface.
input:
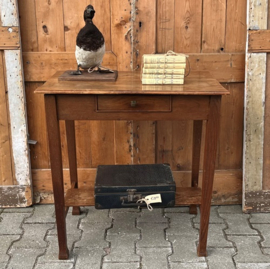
(10, 38)
(255, 88)
(224, 67)
(6, 165)
(180, 26)
(258, 41)
(227, 187)
(16, 191)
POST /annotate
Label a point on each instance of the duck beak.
(88, 10)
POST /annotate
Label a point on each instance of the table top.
(128, 82)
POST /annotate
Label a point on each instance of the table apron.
(85, 107)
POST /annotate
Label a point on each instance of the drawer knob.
(133, 103)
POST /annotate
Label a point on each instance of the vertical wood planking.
(188, 26)
(144, 31)
(213, 32)
(73, 21)
(182, 145)
(102, 143)
(28, 25)
(120, 33)
(37, 127)
(123, 139)
(266, 148)
(231, 128)
(6, 169)
(235, 38)
(83, 138)
(102, 19)
(144, 142)
(50, 25)
(165, 25)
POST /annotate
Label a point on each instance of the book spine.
(162, 76)
(164, 59)
(164, 71)
(162, 66)
(162, 81)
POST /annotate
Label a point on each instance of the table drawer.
(133, 103)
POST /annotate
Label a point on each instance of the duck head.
(89, 13)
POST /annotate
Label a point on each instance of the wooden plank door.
(256, 165)
(15, 177)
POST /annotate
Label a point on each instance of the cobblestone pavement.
(134, 239)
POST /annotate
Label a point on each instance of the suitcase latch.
(131, 197)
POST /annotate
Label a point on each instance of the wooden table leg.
(196, 151)
(211, 138)
(71, 145)
(57, 173)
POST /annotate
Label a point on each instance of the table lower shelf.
(85, 196)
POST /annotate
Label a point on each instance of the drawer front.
(133, 103)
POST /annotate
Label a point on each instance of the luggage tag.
(150, 199)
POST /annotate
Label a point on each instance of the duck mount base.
(85, 76)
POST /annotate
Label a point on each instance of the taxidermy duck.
(90, 45)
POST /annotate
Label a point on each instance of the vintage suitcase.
(119, 186)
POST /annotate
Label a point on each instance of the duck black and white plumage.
(90, 45)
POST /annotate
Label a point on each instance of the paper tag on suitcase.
(153, 198)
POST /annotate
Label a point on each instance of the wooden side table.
(127, 99)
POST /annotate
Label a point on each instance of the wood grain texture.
(28, 25)
(73, 21)
(254, 114)
(50, 25)
(10, 38)
(231, 128)
(188, 26)
(165, 25)
(6, 166)
(213, 32)
(224, 67)
(144, 31)
(120, 33)
(37, 127)
(40, 66)
(235, 37)
(227, 187)
(258, 41)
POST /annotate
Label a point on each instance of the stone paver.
(152, 235)
(93, 236)
(155, 216)
(193, 265)
(216, 236)
(24, 258)
(52, 251)
(234, 227)
(260, 218)
(42, 214)
(253, 266)
(153, 258)
(5, 243)
(122, 248)
(220, 258)
(248, 250)
(134, 238)
(33, 236)
(11, 223)
(184, 248)
(54, 266)
(88, 258)
(265, 232)
(214, 216)
(124, 223)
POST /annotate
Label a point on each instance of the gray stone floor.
(132, 239)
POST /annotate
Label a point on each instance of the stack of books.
(164, 68)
